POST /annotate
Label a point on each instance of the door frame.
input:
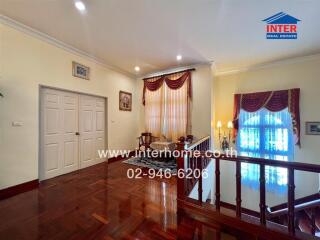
(40, 140)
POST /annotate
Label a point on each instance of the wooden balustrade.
(290, 166)
(313, 221)
(262, 204)
(217, 193)
(187, 161)
(238, 189)
(291, 194)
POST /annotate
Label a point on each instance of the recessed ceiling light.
(179, 57)
(80, 6)
(137, 68)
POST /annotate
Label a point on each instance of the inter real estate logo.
(281, 26)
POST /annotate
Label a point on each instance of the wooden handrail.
(265, 213)
(186, 162)
(196, 143)
(297, 201)
(308, 167)
(297, 208)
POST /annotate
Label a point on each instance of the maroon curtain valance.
(154, 84)
(274, 101)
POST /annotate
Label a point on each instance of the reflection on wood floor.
(99, 202)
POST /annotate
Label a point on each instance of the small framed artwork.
(80, 71)
(125, 101)
(313, 128)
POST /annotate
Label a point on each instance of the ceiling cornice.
(57, 43)
(268, 65)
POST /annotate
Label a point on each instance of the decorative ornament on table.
(189, 138)
(181, 139)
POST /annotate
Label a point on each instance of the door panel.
(99, 146)
(70, 118)
(52, 120)
(86, 131)
(100, 126)
(87, 149)
(52, 157)
(69, 149)
(87, 119)
(70, 127)
(100, 121)
(51, 130)
(92, 133)
(59, 121)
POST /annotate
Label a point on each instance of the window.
(267, 135)
(167, 105)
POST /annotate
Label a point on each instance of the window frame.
(262, 151)
(251, 179)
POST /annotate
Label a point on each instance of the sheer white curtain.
(176, 111)
(268, 135)
(153, 111)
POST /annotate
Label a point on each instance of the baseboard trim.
(21, 188)
(119, 157)
(243, 210)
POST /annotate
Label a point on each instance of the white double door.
(72, 130)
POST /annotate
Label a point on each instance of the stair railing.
(290, 166)
(310, 205)
(191, 163)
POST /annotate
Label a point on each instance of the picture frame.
(125, 101)
(312, 128)
(80, 71)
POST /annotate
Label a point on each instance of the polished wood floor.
(99, 202)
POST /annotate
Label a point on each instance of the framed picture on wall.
(313, 128)
(80, 71)
(125, 101)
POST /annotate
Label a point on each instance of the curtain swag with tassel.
(274, 101)
(153, 84)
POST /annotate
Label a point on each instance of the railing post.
(238, 185)
(217, 172)
(291, 187)
(180, 165)
(262, 204)
(200, 180)
(313, 221)
(188, 166)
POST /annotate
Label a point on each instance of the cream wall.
(302, 74)
(202, 82)
(25, 64)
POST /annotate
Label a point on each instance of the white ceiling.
(150, 33)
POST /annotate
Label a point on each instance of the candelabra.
(224, 141)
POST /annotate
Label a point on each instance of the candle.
(219, 124)
(230, 125)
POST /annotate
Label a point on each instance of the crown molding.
(268, 65)
(57, 43)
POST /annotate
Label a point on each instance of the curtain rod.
(186, 70)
